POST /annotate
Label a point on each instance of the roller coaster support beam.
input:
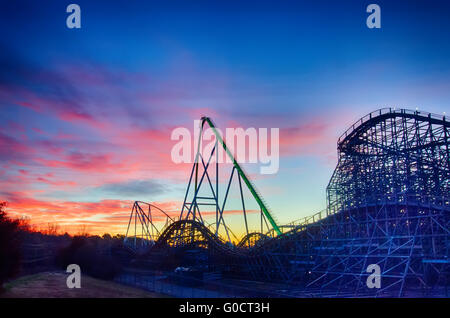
(243, 176)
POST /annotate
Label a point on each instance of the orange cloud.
(100, 217)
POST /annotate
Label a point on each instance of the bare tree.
(52, 229)
(10, 242)
(83, 230)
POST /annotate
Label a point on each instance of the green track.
(243, 176)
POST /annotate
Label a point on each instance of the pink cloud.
(100, 217)
(117, 133)
(83, 162)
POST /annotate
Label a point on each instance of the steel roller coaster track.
(388, 203)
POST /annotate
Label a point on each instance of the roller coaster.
(388, 203)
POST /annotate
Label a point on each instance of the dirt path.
(53, 285)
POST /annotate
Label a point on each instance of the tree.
(82, 230)
(107, 236)
(9, 245)
(52, 229)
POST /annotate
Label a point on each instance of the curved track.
(388, 203)
(193, 234)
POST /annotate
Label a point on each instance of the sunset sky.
(87, 114)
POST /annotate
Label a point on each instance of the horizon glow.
(88, 113)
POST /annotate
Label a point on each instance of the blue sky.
(88, 112)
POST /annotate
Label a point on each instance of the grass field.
(53, 285)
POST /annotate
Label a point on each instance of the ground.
(53, 285)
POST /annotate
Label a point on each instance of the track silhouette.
(388, 203)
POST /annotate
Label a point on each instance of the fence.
(193, 288)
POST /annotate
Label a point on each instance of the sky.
(87, 114)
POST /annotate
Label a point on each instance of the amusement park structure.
(388, 204)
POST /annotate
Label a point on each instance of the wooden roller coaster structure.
(388, 203)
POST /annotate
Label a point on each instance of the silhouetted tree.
(82, 230)
(107, 236)
(92, 254)
(52, 229)
(9, 245)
